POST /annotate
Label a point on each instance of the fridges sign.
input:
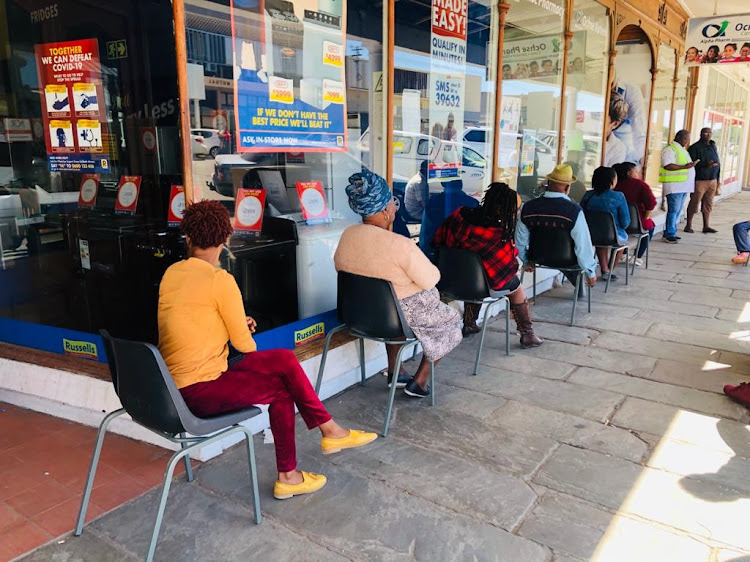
(289, 85)
(718, 39)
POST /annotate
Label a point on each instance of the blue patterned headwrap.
(368, 193)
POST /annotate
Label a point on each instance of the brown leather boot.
(471, 313)
(523, 323)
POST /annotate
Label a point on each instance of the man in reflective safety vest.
(677, 176)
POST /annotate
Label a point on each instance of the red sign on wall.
(176, 205)
(127, 194)
(88, 190)
(72, 102)
(248, 209)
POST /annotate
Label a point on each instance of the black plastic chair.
(553, 248)
(368, 309)
(463, 278)
(604, 235)
(148, 394)
(638, 232)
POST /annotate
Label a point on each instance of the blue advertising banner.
(290, 91)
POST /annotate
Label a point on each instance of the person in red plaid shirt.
(489, 230)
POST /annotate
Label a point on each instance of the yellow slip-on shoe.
(311, 483)
(356, 438)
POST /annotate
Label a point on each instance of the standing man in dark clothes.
(707, 174)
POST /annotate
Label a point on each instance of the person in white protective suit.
(632, 132)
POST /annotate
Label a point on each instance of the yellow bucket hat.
(562, 173)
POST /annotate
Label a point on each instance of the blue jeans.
(675, 202)
(741, 231)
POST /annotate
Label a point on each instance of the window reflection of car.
(211, 140)
(411, 149)
(481, 138)
(199, 146)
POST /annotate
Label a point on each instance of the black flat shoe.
(415, 391)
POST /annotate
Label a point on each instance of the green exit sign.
(117, 49)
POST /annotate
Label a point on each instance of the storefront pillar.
(564, 85)
(503, 8)
(180, 37)
(654, 73)
(607, 96)
(675, 80)
(692, 93)
(389, 63)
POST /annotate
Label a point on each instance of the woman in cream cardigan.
(370, 249)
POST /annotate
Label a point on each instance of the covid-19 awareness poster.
(289, 82)
(72, 105)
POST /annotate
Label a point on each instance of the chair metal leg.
(589, 294)
(188, 468)
(362, 369)
(325, 356)
(534, 280)
(92, 468)
(635, 254)
(169, 473)
(432, 383)
(253, 473)
(392, 394)
(575, 296)
(648, 249)
(626, 254)
(481, 340)
(611, 265)
(507, 326)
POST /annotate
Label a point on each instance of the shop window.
(448, 112)
(629, 100)
(587, 87)
(680, 100)
(89, 151)
(532, 79)
(304, 112)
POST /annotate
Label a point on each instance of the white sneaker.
(638, 261)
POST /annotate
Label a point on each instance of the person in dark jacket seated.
(604, 198)
(555, 210)
(489, 231)
(439, 206)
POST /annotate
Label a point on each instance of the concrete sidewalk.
(612, 441)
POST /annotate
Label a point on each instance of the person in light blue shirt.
(554, 209)
(603, 198)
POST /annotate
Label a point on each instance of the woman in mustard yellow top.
(200, 310)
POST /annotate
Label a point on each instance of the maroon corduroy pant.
(272, 377)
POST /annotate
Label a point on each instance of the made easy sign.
(449, 18)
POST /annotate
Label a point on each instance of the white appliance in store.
(316, 274)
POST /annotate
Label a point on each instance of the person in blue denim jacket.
(603, 198)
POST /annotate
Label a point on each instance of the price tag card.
(89, 189)
(248, 209)
(127, 194)
(313, 202)
(176, 205)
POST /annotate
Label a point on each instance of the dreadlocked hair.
(499, 208)
(207, 224)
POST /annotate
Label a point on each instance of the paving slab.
(459, 434)
(580, 528)
(553, 395)
(730, 283)
(573, 430)
(199, 525)
(89, 546)
(671, 422)
(650, 347)
(595, 356)
(708, 375)
(737, 341)
(553, 332)
(650, 494)
(697, 400)
(493, 355)
(371, 520)
(706, 325)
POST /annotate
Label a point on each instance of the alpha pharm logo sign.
(718, 39)
(712, 30)
(83, 349)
